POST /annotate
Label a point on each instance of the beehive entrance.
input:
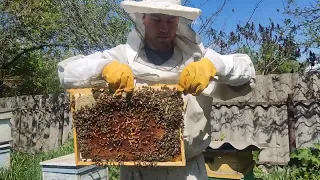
(145, 127)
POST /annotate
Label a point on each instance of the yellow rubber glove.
(196, 76)
(119, 76)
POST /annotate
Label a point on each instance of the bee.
(112, 119)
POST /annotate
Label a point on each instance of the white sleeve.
(233, 71)
(76, 72)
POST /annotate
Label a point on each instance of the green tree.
(307, 20)
(272, 48)
(34, 75)
(39, 33)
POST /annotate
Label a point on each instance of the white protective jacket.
(236, 78)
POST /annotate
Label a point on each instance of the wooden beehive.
(145, 128)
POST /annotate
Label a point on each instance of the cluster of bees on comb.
(144, 127)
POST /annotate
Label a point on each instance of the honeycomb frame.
(79, 160)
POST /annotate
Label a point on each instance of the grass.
(286, 173)
(26, 166)
(276, 173)
(304, 164)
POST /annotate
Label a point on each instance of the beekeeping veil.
(186, 38)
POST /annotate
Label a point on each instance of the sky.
(242, 11)
(239, 11)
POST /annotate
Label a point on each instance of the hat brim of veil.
(161, 8)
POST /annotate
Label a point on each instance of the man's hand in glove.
(119, 77)
(196, 76)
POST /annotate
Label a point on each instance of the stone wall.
(40, 122)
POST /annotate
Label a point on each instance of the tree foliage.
(36, 34)
(272, 48)
(307, 20)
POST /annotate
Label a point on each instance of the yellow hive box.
(231, 159)
(228, 165)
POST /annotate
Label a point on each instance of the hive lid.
(6, 113)
(67, 160)
(236, 146)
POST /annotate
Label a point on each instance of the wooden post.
(291, 124)
(61, 103)
(1, 81)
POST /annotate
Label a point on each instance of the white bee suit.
(236, 77)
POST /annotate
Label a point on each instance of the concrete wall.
(261, 116)
(40, 123)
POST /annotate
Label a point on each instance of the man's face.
(160, 29)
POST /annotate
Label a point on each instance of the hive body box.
(5, 137)
(231, 159)
(64, 168)
(136, 138)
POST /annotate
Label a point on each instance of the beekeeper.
(162, 48)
